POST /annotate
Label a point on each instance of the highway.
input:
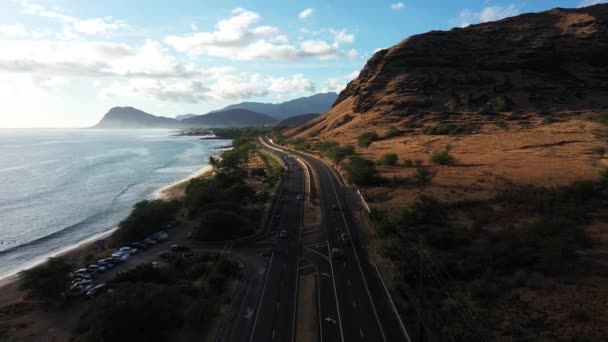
(351, 303)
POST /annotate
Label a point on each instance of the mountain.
(129, 117)
(185, 116)
(297, 120)
(230, 118)
(318, 103)
(535, 63)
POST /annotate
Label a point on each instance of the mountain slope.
(549, 61)
(230, 118)
(297, 120)
(129, 117)
(185, 116)
(318, 103)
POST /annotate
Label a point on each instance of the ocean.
(59, 187)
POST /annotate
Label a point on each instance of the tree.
(145, 219)
(337, 154)
(389, 159)
(391, 132)
(47, 280)
(442, 158)
(367, 138)
(361, 171)
(219, 224)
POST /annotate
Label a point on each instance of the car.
(81, 283)
(283, 234)
(334, 206)
(179, 248)
(95, 290)
(106, 264)
(72, 292)
(120, 257)
(189, 236)
(81, 271)
(97, 269)
(155, 264)
(129, 250)
(300, 196)
(166, 255)
(345, 239)
(150, 242)
(85, 289)
(81, 278)
(160, 236)
(336, 253)
(138, 245)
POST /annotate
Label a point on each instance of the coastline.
(9, 280)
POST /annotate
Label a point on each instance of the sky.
(64, 63)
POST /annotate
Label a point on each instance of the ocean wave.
(121, 192)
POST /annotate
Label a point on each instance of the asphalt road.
(352, 305)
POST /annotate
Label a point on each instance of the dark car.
(334, 206)
(179, 248)
(166, 255)
(345, 239)
(138, 245)
(189, 236)
(283, 234)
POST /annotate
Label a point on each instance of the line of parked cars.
(82, 280)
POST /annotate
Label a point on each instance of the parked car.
(155, 264)
(160, 236)
(95, 290)
(150, 242)
(81, 283)
(336, 253)
(129, 250)
(189, 236)
(345, 239)
(81, 271)
(120, 257)
(300, 196)
(283, 234)
(106, 264)
(179, 248)
(334, 206)
(138, 245)
(72, 292)
(97, 269)
(166, 255)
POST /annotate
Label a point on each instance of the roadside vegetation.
(144, 221)
(46, 281)
(150, 304)
(527, 237)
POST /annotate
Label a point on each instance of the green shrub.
(599, 150)
(408, 163)
(361, 171)
(602, 117)
(218, 225)
(604, 175)
(146, 218)
(442, 158)
(337, 154)
(47, 280)
(422, 176)
(450, 129)
(389, 159)
(367, 138)
(391, 133)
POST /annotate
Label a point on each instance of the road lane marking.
(354, 304)
(361, 333)
(355, 252)
(348, 282)
(278, 305)
(261, 299)
(331, 265)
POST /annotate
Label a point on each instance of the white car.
(97, 269)
(300, 197)
(128, 250)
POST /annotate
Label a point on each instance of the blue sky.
(66, 62)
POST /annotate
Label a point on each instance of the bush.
(145, 219)
(408, 163)
(603, 117)
(450, 129)
(391, 133)
(422, 176)
(361, 171)
(337, 154)
(604, 175)
(389, 159)
(442, 158)
(218, 224)
(367, 138)
(599, 150)
(48, 280)
(145, 312)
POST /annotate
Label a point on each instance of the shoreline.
(167, 193)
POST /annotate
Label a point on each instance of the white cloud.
(337, 84)
(237, 38)
(398, 5)
(14, 30)
(343, 37)
(306, 13)
(91, 59)
(194, 27)
(171, 91)
(586, 3)
(53, 83)
(91, 26)
(297, 83)
(492, 13)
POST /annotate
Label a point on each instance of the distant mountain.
(129, 117)
(185, 116)
(230, 118)
(297, 120)
(318, 103)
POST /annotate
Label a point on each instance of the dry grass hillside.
(491, 142)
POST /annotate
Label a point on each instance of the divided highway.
(351, 303)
